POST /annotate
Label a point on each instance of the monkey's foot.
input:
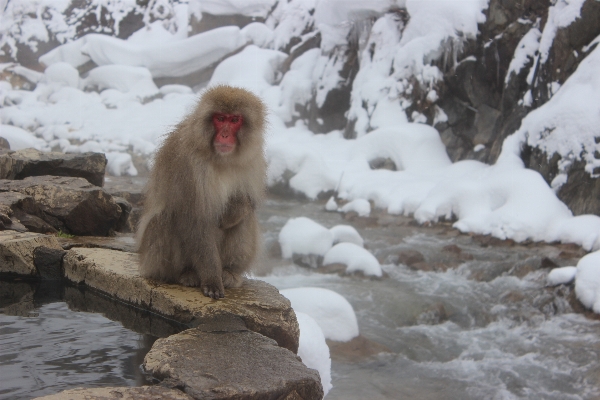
(231, 280)
(213, 288)
(189, 278)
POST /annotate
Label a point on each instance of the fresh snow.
(560, 276)
(347, 234)
(304, 236)
(587, 281)
(313, 349)
(356, 258)
(329, 309)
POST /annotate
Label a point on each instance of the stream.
(473, 320)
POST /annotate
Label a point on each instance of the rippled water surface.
(46, 348)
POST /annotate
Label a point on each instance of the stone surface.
(257, 303)
(119, 393)
(48, 262)
(31, 162)
(230, 362)
(72, 205)
(17, 251)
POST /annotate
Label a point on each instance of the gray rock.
(17, 251)
(72, 205)
(48, 262)
(119, 393)
(260, 305)
(31, 162)
(230, 362)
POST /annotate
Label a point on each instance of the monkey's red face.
(226, 128)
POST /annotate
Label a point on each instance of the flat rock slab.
(119, 393)
(31, 162)
(230, 364)
(17, 251)
(259, 305)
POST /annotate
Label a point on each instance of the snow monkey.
(199, 226)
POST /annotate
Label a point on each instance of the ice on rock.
(329, 309)
(356, 258)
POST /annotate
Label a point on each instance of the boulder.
(17, 251)
(119, 393)
(72, 205)
(227, 361)
(31, 162)
(258, 304)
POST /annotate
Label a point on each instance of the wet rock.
(457, 252)
(4, 145)
(72, 205)
(434, 315)
(487, 240)
(48, 262)
(21, 213)
(356, 349)
(231, 362)
(307, 260)
(17, 251)
(257, 303)
(119, 393)
(383, 163)
(31, 162)
(410, 257)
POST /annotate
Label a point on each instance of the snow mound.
(360, 206)
(304, 236)
(62, 73)
(21, 139)
(356, 258)
(120, 164)
(559, 276)
(124, 78)
(587, 281)
(313, 349)
(329, 309)
(346, 233)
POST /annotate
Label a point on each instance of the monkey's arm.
(237, 209)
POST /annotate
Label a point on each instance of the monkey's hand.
(213, 287)
(237, 209)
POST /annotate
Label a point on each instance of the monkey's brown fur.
(199, 227)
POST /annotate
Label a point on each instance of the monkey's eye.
(220, 118)
(235, 120)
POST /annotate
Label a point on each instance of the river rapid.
(473, 320)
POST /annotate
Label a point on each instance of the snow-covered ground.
(117, 108)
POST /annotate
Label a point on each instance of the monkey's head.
(233, 119)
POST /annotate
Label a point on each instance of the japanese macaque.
(199, 226)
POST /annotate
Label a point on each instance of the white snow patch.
(356, 259)
(559, 276)
(329, 309)
(313, 349)
(304, 236)
(587, 281)
(347, 234)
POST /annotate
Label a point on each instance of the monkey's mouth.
(224, 148)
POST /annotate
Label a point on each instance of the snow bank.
(250, 8)
(21, 139)
(329, 309)
(313, 349)
(304, 236)
(360, 206)
(124, 78)
(163, 59)
(356, 258)
(587, 281)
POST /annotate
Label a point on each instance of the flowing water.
(473, 321)
(472, 324)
